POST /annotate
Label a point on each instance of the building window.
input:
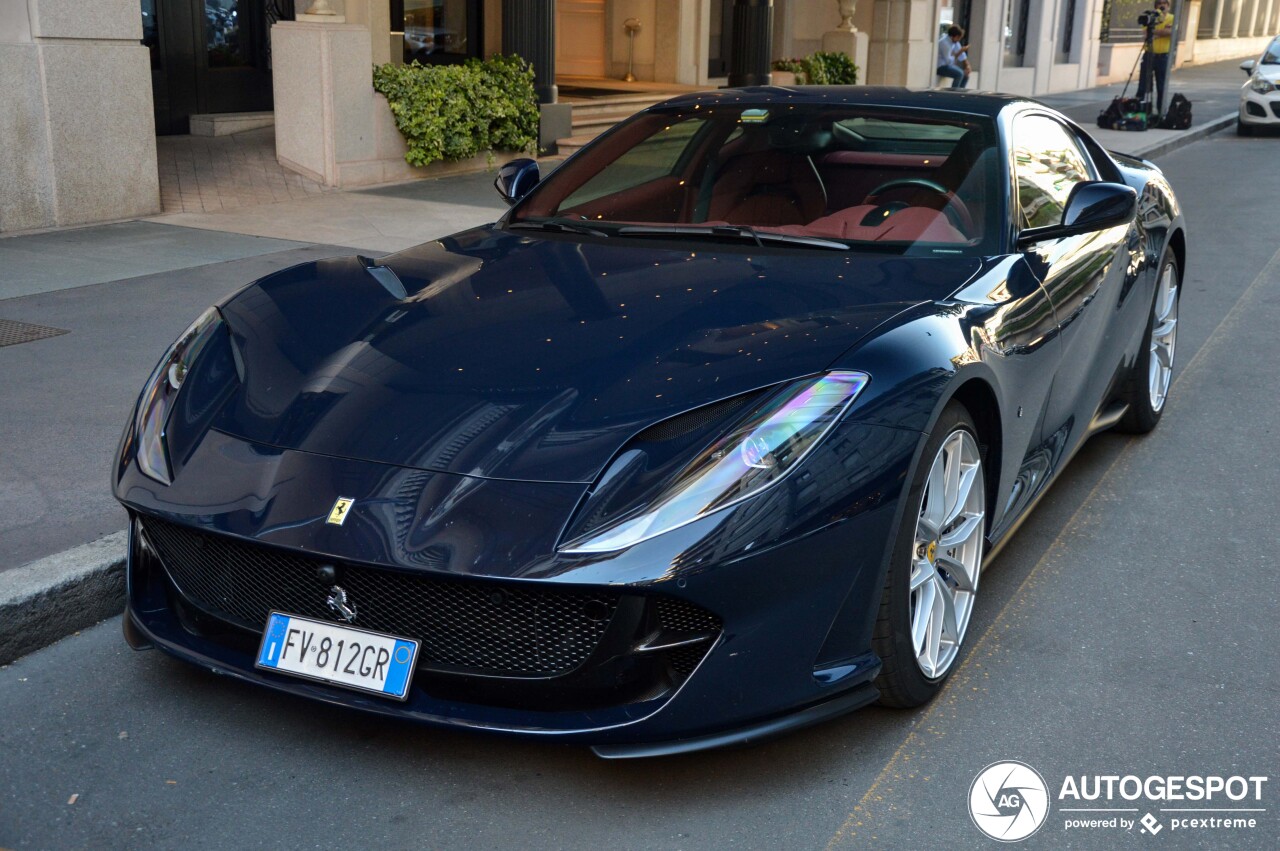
(1068, 31)
(1015, 32)
(227, 34)
(438, 31)
(1120, 21)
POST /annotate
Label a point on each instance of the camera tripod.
(1143, 85)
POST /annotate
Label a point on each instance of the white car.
(1260, 97)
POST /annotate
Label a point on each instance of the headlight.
(162, 388)
(762, 450)
(1262, 85)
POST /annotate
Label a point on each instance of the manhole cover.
(12, 333)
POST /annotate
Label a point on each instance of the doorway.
(209, 56)
(580, 38)
(720, 38)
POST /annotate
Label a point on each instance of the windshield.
(907, 181)
(1272, 56)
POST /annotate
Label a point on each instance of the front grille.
(679, 616)
(1275, 108)
(483, 627)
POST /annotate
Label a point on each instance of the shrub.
(453, 112)
(794, 66)
(831, 69)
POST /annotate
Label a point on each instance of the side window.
(653, 158)
(1048, 162)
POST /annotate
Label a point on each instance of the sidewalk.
(1213, 89)
(123, 291)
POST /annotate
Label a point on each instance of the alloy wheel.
(1164, 334)
(947, 556)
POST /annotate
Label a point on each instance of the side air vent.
(694, 420)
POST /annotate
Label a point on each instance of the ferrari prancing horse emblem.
(341, 508)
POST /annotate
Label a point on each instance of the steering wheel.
(952, 206)
(917, 182)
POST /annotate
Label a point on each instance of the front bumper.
(788, 594)
(1259, 110)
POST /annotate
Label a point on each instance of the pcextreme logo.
(1009, 801)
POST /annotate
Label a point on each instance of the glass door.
(209, 56)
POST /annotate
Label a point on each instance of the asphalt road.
(1128, 629)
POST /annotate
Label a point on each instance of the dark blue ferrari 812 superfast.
(708, 438)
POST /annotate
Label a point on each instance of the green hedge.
(454, 112)
(821, 69)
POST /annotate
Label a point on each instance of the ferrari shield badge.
(342, 507)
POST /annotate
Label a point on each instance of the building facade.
(88, 85)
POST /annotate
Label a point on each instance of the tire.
(918, 644)
(1147, 389)
(1243, 129)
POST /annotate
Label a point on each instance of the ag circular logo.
(1008, 801)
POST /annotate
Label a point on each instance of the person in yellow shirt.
(1155, 56)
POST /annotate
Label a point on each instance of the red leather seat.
(767, 188)
(913, 224)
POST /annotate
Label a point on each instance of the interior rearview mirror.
(516, 178)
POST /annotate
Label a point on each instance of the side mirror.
(1092, 206)
(516, 178)
(1247, 66)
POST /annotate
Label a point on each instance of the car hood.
(537, 357)
(1266, 72)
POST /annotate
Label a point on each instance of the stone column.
(1217, 19)
(1234, 16)
(903, 44)
(846, 38)
(76, 114)
(323, 100)
(1185, 50)
(529, 31)
(752, 42)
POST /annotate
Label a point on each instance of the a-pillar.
(529, 31)
(903, 44)
(752, 41)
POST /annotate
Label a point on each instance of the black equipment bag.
(1178, 116)
(1124, 114)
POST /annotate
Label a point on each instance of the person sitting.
(950, 49)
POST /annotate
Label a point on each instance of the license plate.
(341, 655)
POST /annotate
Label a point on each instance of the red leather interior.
(910, 225)
(661, 200)
(767, 188)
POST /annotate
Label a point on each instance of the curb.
(1195, 134)
(49, 599)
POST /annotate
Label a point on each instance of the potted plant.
(790, 72)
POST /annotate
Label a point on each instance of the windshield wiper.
(734, 232)
(558, 226)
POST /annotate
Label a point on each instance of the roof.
(948, 100)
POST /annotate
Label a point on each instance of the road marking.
(952, 688)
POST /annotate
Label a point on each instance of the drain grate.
(12, 333)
